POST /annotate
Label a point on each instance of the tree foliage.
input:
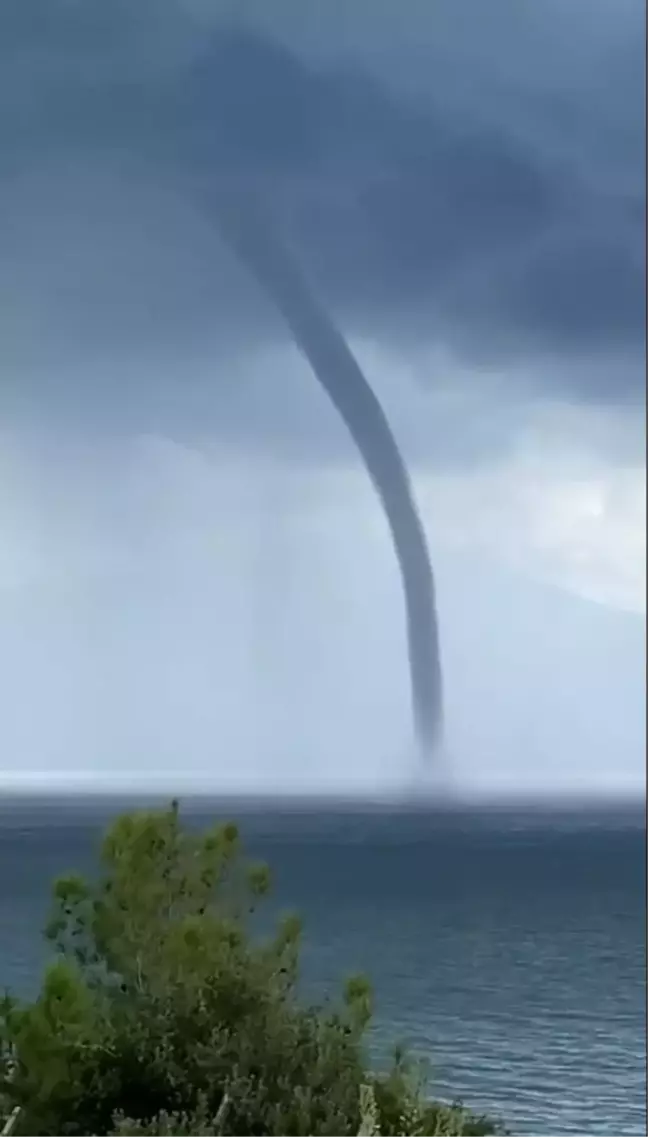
(162, 1012)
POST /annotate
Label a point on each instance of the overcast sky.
(196, 582)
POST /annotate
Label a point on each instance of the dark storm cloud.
(476, 204)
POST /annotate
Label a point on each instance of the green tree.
(163, 1013)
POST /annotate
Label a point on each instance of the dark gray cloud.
(453, 180)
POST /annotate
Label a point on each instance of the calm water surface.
(508, 948)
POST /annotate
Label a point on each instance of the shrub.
(163, 1013)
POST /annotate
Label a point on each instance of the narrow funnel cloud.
(258, 248)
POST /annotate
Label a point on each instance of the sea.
(506, 946)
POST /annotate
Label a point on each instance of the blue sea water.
(508, 948)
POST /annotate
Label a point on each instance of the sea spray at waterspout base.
(257, 246)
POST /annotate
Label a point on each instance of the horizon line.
(407, 795)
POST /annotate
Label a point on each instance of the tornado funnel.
(256, 244)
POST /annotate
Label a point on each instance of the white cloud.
(584, 531)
